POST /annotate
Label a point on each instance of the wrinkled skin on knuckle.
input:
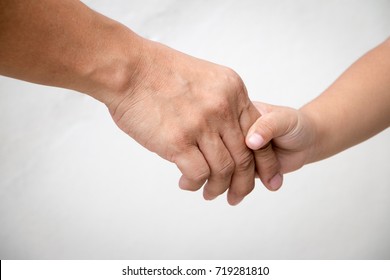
(226, 169)
(201, 174)
(245, 161)
(267, 162)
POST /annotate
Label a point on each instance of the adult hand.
(193, 113)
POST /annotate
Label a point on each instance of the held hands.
(198, 115)
(192, 113)
(189, 111)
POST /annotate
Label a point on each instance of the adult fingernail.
(209, 197)
(235, 200)
(276, 182)
(255, 141)
(183, 183)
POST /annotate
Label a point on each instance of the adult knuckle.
(245, 161)
(235, 81)
(223, 109)
(266, 160)
(270, 167)
(227, 169)
(266, 153)
(196, 123)
(232, 75)
(219, 107)
(222, 103)
(177, 138)
(201, 174)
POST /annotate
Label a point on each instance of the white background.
(73, 186)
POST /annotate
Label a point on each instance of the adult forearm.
(355, 107)
(66, 44)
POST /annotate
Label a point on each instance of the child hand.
(289, 133)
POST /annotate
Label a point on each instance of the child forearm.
(355, 107)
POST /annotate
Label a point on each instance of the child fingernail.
(255, 141)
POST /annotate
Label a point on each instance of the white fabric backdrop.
(73, 186)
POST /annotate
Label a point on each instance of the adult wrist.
(111, 71)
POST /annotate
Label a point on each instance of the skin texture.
(354, 108)
(190, 112)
